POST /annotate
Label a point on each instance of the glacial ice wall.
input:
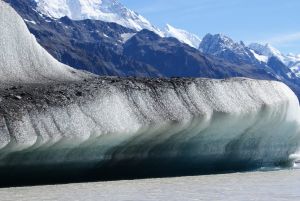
(205, 123)
(22, 59)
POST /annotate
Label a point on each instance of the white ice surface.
(22, 59)
(260, 118)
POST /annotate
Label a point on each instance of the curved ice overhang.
(157, 126)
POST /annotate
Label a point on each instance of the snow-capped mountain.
(261, 57)
(222, 46)
(267, 51)
(104, 10)
(294, 63)
(110, 11)
(183, 36)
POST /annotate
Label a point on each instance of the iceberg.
(58, 121)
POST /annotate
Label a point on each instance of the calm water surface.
(272, 185)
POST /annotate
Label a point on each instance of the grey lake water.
(261, 185)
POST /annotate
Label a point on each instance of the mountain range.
(265, 52)
(104, 10)
(106, 38)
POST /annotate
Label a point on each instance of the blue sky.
(274, 21)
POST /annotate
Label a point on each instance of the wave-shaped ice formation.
(140, 126)
(207, 124)
(22, 59)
